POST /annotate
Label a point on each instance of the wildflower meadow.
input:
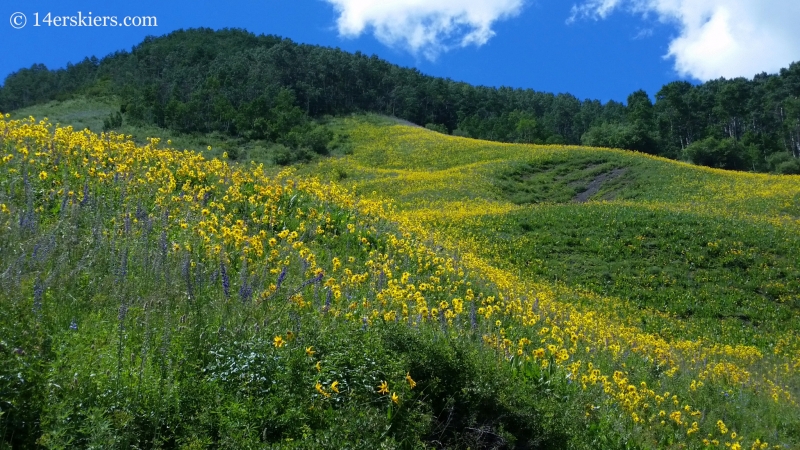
(420, 291)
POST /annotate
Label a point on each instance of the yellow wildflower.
(319, 389)
(411, 382)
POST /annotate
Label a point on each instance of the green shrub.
(439, 128)
(719, 153)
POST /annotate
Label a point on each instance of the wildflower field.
(424, 291)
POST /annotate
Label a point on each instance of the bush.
(461, 133)
(312, 137)
(317, 138)
(783, 163)
(617, 135)
(727, 153)
(340, 142)
(113, 121)
(791, 167)
(285, 156)
(439, 128)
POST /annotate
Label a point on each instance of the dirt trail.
(597, 183)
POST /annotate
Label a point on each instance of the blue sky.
(599, 49)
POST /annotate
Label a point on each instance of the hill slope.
(463, 294)
(664, 259)
(264, 87)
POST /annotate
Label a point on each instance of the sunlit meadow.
(423, 291)
(677, 352)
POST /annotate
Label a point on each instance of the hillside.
(679, 214)
(268, 88)
(421, 290)
(677, 271)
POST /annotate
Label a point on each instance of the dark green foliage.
(113, 121)
(562, 181)
(720, 153)
(285, 156)
(268, 88)
(618, 135)
(436, 127)
(471, 405)
(783, 163)
(317, 138)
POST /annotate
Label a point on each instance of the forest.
(266, 87)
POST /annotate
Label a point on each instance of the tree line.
(266, 87)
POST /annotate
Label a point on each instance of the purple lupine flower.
(64, 201)
(85, 199)
(141, 214)
(123, 313)
(328, 300)
(27, 220)
(73, 325)
(245, 292)
(27, 183)
(38, 292)
(226, 282)
(281, 277)
(187, 275)
(381, 279)
(316, 279)
(162, 245)
(199, 279)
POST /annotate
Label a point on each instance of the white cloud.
(718, 38)
(426, 26)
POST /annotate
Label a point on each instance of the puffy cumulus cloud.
(718, 38)
(424, 26)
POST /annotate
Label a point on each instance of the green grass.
(677, 252)
(119, 330)
(80, 112)
(88, 112)
(115, 334)
(662, 236)
(561, 181)
(732, 282)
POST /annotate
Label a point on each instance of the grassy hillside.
(245, 86)
(691, 270)
(90, 112)
(423, 291)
